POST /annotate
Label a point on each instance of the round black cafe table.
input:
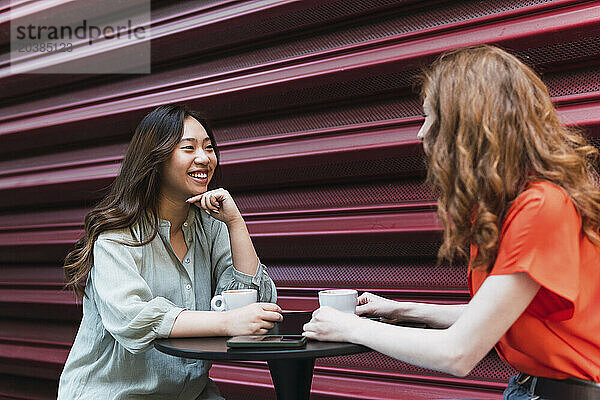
(291, 369)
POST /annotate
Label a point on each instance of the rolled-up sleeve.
(129, 311)
(228, 277)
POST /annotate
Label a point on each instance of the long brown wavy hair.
(494, 131)
(133, 195)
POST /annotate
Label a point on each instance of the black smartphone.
(272, 341)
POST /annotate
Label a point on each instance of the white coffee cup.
(341, 299)
(232, 299)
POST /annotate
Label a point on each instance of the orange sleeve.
(540, 237)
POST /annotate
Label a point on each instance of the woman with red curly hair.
(519, 199)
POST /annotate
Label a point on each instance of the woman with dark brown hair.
(154, 252)
(519, 199)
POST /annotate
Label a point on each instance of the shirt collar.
(164, 226)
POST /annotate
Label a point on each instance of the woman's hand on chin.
(330, 325)
(219, 204)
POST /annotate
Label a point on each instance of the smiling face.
(191, 165)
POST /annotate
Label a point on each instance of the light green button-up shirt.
(134, 295)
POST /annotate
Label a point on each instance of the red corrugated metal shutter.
(316, 118)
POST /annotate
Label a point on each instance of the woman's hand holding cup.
(243, 315)
(253, 319)
(337, 318)
(331, 325)
(372, 305)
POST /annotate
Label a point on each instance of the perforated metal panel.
(370, 275)
(490, 369)
(335, 196)
(351, 169)
(321, 117)
(567, 51)
(566, 83)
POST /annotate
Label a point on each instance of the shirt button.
(185, 224)
(187, 260)
(188, 286)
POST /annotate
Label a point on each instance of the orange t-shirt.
(558, 335)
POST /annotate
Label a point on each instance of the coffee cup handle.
(213, 303)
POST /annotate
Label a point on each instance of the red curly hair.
(495, 130)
